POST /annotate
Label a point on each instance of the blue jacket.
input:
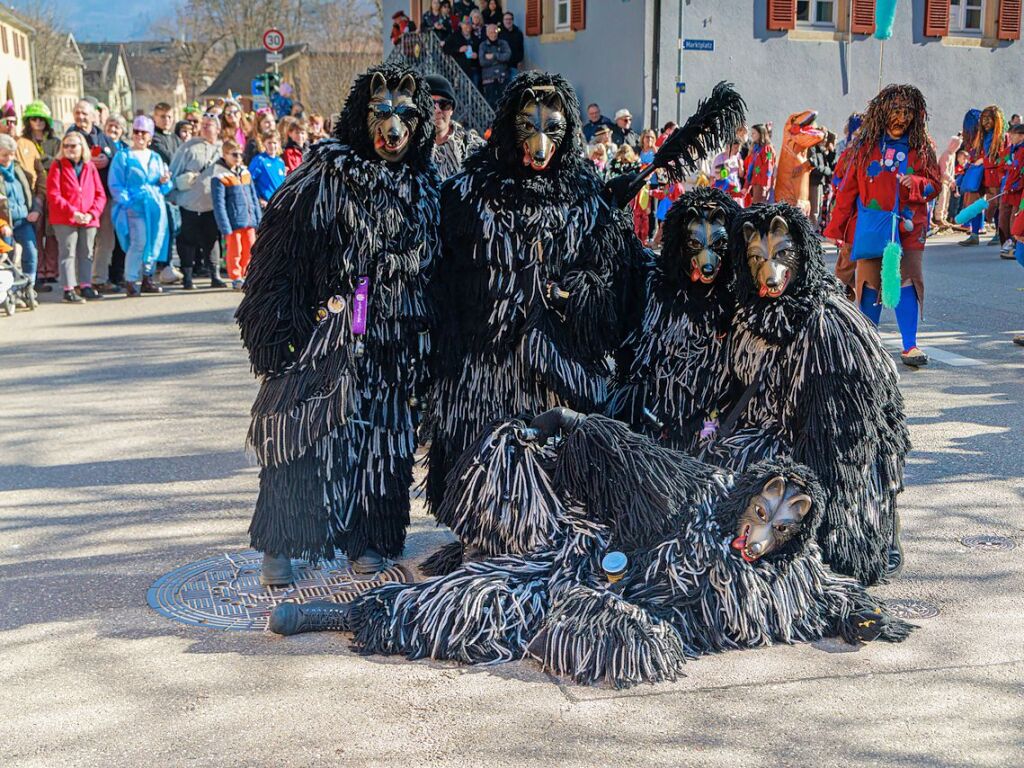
(267, 174)
(138, 189)
(234, 199)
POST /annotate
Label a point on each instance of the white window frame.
(958, 15)
(559, 6)
(812, 16)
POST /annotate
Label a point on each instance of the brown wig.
(998, 131)
(876, 117)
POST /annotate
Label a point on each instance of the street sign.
(680, 87)
(275, 58)
(260, 102)
(698, 45)
(273, 40)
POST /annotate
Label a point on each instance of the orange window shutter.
(863, 17)
(936, 18)
(1008, 25)
(578, 15)
(781, 14)
(533, 17)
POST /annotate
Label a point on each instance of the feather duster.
(891, 274)
(966, 214)
(885, 15)
(712, 125)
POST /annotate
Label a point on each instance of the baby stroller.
(14, 285)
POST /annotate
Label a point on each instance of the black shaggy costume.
(547, 514)
(817, 386)
(333, 425)
(503, 348)
(679, 376)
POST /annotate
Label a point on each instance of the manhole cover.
(912, 609)
(224, 592)
(990, 543)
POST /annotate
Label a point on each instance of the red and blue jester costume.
(1012, 191)
(890, 167)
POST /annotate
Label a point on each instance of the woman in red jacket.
(890, 174)
(75, 200)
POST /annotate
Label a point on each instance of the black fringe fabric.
(684, 594)
(502, 348)
(679, 373)
(332, 425)
(828, 396)
(447, 559)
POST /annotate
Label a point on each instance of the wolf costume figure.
(679, 381)
(334, 318)
(706, 561)
(532, 287)
(817, 386)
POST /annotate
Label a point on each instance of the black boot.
(317, 616)
(215, 280)
(186, 278)
(276, 570)
(895, 565)
(369, 563)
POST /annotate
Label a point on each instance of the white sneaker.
(169, 275)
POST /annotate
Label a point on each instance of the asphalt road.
(121, 459)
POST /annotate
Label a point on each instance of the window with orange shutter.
(579, 15)
(1008, 21)
(936, 18)
(534, 20)
(781, 14)
(862, 16)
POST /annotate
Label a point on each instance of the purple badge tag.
(359, 305)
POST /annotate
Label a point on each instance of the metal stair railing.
(423, 51)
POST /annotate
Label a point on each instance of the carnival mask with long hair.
(772, 517)
(771, 257)
(540, 126)
(392, 117)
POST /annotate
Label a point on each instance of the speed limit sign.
(273, 40)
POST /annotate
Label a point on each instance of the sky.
(115, 20)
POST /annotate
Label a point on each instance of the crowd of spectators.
(109, 206)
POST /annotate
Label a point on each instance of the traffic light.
(273, 82)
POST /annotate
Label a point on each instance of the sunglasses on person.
(235, 154)
(139, 131)
(444, 105)
(384, 111)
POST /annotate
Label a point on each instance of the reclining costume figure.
(816, 386)
(335, 318)
(611, 558)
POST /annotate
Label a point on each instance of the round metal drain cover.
(912, 609)
(989, 543)
(224, 591)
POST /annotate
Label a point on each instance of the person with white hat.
(139, 179)
(623, 132)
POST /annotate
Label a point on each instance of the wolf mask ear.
(407, 86)
(749, 231)
(378, 86)
(778, 226)
(801, 504)
(528, 97)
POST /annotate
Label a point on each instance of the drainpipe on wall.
(656, 64)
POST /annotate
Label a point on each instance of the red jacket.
(292, 156)
(760, 166)
(875, 186)
(1013, 185)
(67, 194)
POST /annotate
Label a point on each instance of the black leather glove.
(556, 420)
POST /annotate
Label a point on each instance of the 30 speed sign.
(273, 40)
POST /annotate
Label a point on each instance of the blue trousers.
(25, 236)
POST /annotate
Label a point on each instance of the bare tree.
(49, 42)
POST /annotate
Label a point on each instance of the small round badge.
(321, 315)
(335, 304)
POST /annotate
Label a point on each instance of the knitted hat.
(440, 86)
